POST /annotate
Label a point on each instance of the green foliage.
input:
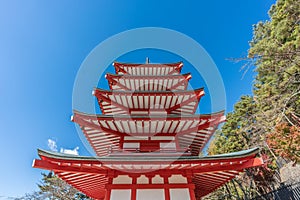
(258, 120)
(275, 48)
(236, 134)
(53, 188)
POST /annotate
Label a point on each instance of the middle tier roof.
(106, 131)
(148, 102)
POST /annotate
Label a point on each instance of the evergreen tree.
(53, 188)
(275, 48)
(237, 133)
(270, 118)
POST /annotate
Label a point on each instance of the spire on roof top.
(147, 60)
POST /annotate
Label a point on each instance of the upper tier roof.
(104, 132)
(148, 102)
(148, 83)
(147, 69)
(88, 173)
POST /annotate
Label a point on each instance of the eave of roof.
(151, 76)
(148, 116)
(155, 64)
(131, 157)
(116, 92)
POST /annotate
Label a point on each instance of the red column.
(189, 176)
(166, 186)
(133, 189)
(108, 190)
(192, 193)
(150, 176)
(177, 144)
(121, 143)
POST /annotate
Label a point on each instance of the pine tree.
(236, 134)
(270, 118)
(276, 49)
(53, 188)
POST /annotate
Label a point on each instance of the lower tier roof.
(90, 174)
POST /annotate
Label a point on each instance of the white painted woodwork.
(131, 145)
(137, 112)
(120, 194)
(162, 138)
(150, 194)
(170, 145)
(177, 179)
(135, 138)
(122, 179)
(179, 194)
(157, 180)
(142, 180)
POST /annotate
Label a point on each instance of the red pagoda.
(147, 140)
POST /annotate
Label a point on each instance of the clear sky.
(43, 43)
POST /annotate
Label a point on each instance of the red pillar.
(108, 190)
(166, 187)
(189, 176)
(150, 176)
(133, 189)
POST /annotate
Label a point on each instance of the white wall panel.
(150, 194)
(179, 194)
(120, 194)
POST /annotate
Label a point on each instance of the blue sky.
(43, 43)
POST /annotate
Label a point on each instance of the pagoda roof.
(145, 102)
(90, 174)
(147, 69)
(104, 132)
(146, 82)
(146, 159)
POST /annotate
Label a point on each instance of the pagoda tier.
(150, 133)
(148, 102)
(134, 177)
(148, 69)
(148, 83)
